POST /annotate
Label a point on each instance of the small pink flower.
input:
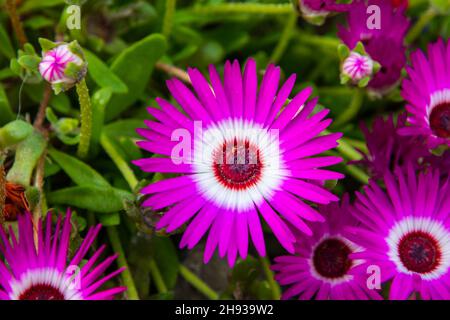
(357, 66)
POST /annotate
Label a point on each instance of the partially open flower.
(63, 64)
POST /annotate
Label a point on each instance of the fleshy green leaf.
(32, 5)
(6, 47)
(80, 173)
(28, 153)
(165, 255)
(29, 62)
(134, 66)
(14, 132)
(123, 128)
(102, 75)
(109, 219)
(5, 108)
(98, 199)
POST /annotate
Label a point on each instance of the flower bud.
(357, 67)
(63, 64)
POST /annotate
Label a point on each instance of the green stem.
(276, 290)
(417, 29)
(122, 262)
(249, 8)
(348, 151)
(328, 43)
(285, 37)
(157, 277)
(121, 163)
(15, 21)
(357, 173)
(197, 283)
(352, 110)
(335, 91)
(86, 119)
(361, 145)
(168, 17)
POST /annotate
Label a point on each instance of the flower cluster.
(234, 157)
(385, 27)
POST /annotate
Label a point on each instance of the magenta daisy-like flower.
(39, 270)
(389, 149)
(251, 155)
(378, 25)
(321, 267)
(406, 231)
(427, 91)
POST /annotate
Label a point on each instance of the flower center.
(41, 292)
(238, 165)
(419, 252)
(440, 120)
(331, 260)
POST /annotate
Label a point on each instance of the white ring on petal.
(47, 276)
(437, 98)
(426, 225)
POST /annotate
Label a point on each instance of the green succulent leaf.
(5, 108)
(6, 47)
(80, 173)
(135, 66)
(93, 198)
(103, 75)
(165, 255)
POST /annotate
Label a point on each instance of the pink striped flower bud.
(62, 64)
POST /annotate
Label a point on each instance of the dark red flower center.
(238, 165)
(42, 292)
(331, 259)
(419, 252)
(440, 120)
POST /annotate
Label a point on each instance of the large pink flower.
(255, 158)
